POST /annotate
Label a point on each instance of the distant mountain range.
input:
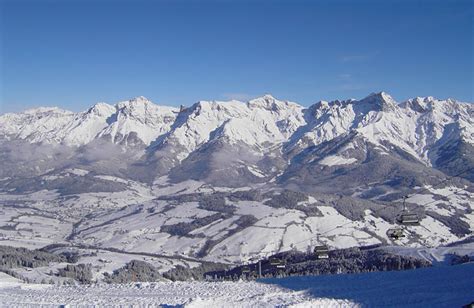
(235, 143)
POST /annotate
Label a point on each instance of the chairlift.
(321, 252)
(395, 233)
(245, 269)
(281, 265)
(407, 218)
(275, 262)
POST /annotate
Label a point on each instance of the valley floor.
(439, 286)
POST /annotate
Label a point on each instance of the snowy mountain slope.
(137, 119)
(346, 145)
(34, 124)
(259, 123)
(350, 162)
(418, 126)
(379, 120)
(85, 126)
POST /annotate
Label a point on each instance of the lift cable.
(449, 178)
(381, 208)
(385, 206)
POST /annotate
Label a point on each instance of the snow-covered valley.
(227, 225)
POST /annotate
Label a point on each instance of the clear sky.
(73, 53)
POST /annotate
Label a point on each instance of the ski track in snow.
(168, 294)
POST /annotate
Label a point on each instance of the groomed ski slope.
(161, 294)
(440, 286)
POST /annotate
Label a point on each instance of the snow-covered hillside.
(223, 225)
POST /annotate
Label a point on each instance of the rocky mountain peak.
(380, 101)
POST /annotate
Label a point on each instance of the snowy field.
(438, 255)
(132, 220)
(441, 286)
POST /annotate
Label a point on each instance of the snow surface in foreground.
(167, 294)
(439, 286)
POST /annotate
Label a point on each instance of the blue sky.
(75, 53)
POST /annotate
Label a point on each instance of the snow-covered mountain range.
(137, 117)
(259, 139)
(229, 181)
(414, 126)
